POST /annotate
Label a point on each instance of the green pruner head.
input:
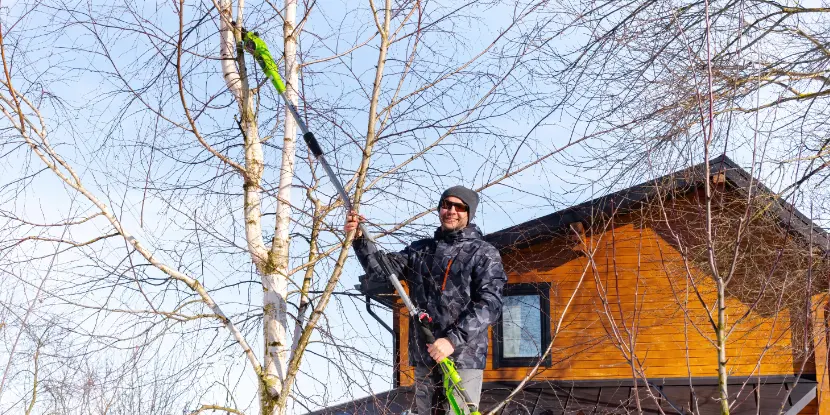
(257, 47)
(249, 41)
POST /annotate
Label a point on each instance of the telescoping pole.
(452, 380)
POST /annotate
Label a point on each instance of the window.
(522, 334)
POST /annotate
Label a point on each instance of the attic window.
(522, 334)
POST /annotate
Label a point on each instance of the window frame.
(542, 289)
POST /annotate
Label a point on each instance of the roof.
(673, 396)
(556, 224)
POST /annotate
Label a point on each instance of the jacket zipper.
(446, 274)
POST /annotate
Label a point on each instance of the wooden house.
(615, 300)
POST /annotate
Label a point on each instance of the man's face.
(451, 218)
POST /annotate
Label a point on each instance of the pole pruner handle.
(452, 382)
(425, 325)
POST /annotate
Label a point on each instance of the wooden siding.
(634, 312)
(820, 325)
(811, 409)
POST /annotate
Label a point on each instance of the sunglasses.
(459, 207)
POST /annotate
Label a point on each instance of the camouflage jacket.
(458, 279)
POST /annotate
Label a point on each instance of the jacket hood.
(471, 231)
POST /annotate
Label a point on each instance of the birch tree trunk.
(271, 264)
(275, 280)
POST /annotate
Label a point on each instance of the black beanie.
(468, 196)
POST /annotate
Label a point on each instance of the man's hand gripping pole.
(452, 380)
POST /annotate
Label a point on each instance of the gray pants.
(429, 389)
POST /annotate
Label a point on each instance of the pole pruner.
(452, 380)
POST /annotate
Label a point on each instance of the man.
(457, 278)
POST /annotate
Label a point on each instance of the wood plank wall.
(820, 342)
(634, 311)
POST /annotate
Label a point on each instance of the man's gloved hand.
(441, 349)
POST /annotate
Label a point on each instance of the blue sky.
(98, 125)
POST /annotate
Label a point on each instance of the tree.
(678, 83)
(164, 150)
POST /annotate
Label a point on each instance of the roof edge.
(547, 227)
